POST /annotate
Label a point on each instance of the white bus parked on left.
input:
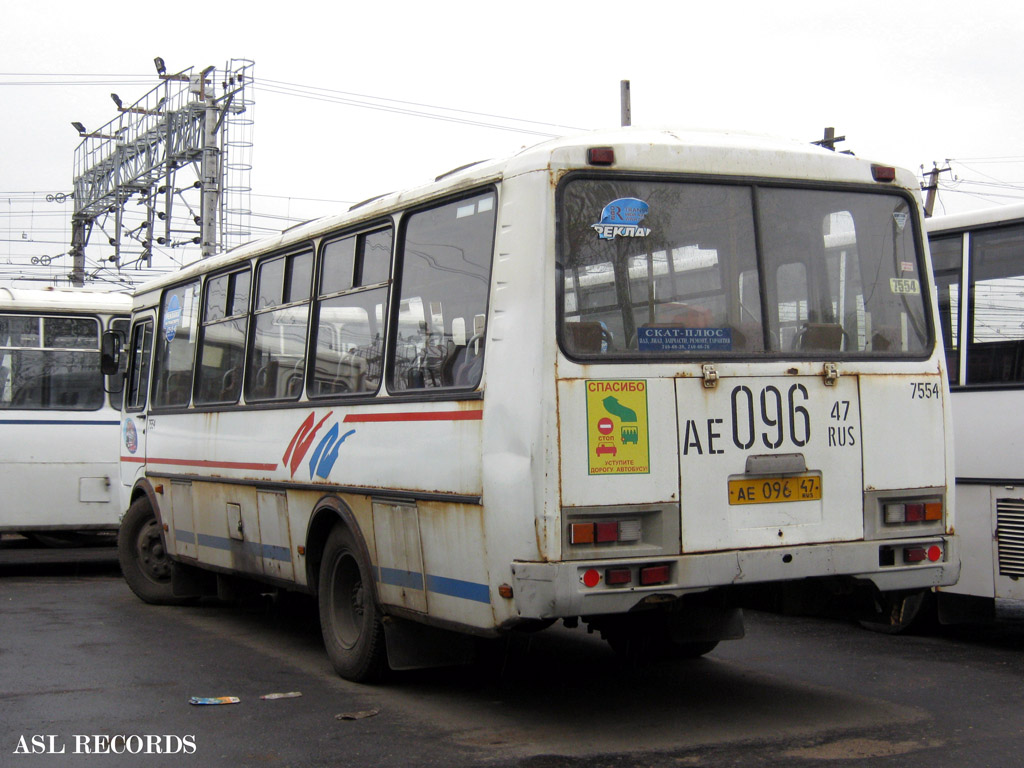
(59, 423)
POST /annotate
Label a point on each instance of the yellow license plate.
(774, 490)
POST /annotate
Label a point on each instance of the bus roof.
(1000, 214)
(61, 299)
(636, 149)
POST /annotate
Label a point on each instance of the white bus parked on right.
(978, 258)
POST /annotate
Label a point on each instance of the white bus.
(58, 425)
(978, 259)
(605, 380)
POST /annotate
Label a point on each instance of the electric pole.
(931, 187)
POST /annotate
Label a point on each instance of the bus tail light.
(654, 574)
(617, 576)
(605, 532)
(910, 555)
(900, 513)
(914, 555)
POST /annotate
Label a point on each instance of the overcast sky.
(909, 83)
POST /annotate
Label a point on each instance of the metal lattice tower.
(192, 125)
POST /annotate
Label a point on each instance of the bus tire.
(350, 619)
(143, 555)
(903, 613)
(648, 638)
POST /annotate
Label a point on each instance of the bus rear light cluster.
(920, 554)
(605, 532)
(910, 555)
(620, 576)
(900, 513)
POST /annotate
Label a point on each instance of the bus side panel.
(81, 495)
(176, 514)
(84, 498)
(618, 441)
(982, 420)
(975, 525)
(275, 538)
(457, 587)
(903, 433)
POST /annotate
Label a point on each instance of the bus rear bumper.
(581, 588)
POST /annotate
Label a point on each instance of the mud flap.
(188, 581)
(412, 645)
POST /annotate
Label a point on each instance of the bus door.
(136, 400)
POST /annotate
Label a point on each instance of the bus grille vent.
(1010, 536)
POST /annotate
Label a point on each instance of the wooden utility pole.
(931, 187)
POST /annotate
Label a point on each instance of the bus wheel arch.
(330, 511)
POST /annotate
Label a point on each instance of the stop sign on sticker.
(605, 426)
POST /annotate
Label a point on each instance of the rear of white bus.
(750, 389)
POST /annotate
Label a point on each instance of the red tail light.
(654, 574)
(617, 576)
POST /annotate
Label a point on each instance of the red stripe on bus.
(134, 459)
(416, 416)
(214, 464)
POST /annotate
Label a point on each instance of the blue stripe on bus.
(398, 578)
(441, 585)
(467, 590)
(268, 551)
(61, 422)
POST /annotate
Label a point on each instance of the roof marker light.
(883, 173)
(600, 156)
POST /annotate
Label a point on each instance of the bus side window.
(277, 359)
(995, 349)
(175, 355)
(444, 268)
(222, 346)
(349, 318)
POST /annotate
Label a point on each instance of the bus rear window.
(661, 269)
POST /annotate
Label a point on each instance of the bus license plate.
(771, 490)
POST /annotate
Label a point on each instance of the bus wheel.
(902, 612)
(349, 617)
(144, 561)
(642, 639)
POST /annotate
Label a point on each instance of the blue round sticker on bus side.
(621, 218)
(172, 317)
(131, 436)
